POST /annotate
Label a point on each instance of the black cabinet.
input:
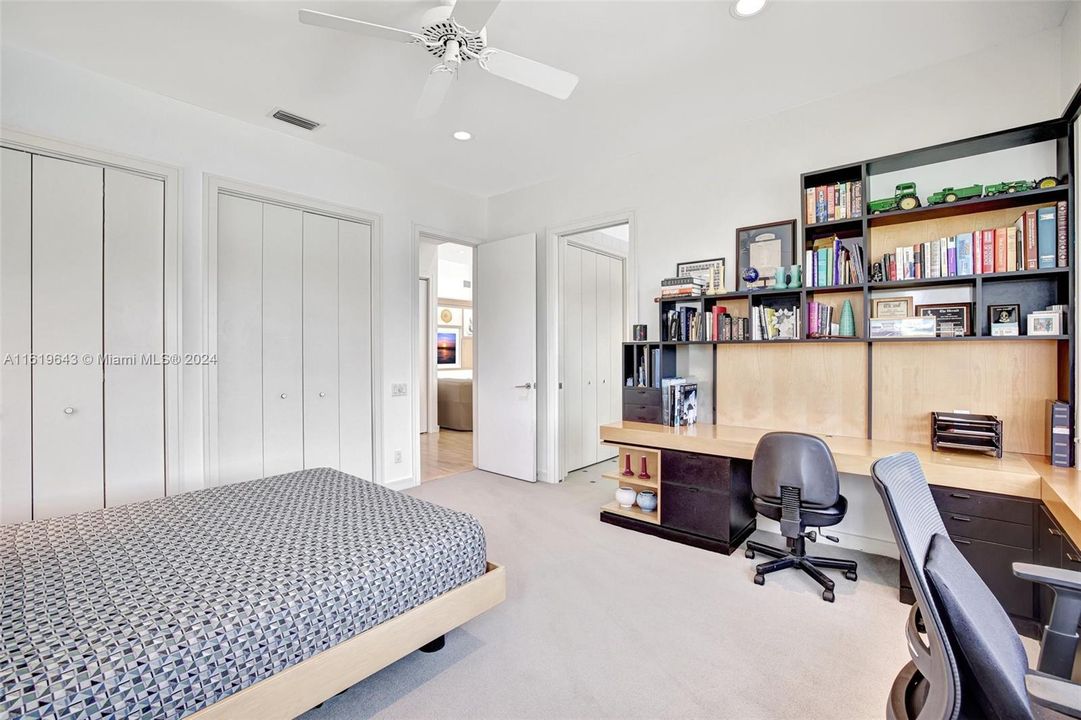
(642, 404)
(1055, 550)
(994, 564)
(706, 495)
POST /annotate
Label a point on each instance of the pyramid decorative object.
(848, 320)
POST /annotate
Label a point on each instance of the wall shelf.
(974, 205)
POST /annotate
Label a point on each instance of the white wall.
(689, 199)
(1070, 60)
(40, 95)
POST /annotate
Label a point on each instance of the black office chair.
(794, 481)
(972, 663)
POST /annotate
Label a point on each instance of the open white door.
(505, 348)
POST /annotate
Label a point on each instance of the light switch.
(398, 389)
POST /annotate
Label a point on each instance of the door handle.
(527, 386)
(284, 396)
(69, 410)
(322, 394)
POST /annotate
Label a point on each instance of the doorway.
(446, 362)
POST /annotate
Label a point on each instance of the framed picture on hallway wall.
(449, 315)
(447, 348)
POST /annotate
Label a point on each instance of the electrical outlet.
(398, 389)
(397, 456)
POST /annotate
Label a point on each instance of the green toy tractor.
(1008, 187)
(950, 194)
(904, 198)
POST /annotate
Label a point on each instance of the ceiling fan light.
(746, 8)
(462, 135)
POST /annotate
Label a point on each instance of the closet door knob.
(69, 410)
(322, 394)
(284, 396)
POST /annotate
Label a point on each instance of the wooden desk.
(1027, 476)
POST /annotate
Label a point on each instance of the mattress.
(158, 609)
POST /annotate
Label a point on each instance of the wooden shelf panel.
(634, 480)
(968, 207)
(632, 512)
(836, 225)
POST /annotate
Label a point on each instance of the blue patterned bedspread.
(161, 608)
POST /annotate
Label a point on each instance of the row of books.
(647, 371)
(1037, 240)
(679, 402)
(834, 261)
(692, 324)
(679, 287)
(839, 201)
(820, 320)
(769, 323)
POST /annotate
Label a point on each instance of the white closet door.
(573, 382)
(589, 358)
(240, 339)
(615, 358)
(283, 349)
(604, 350)
(67, 290)
(320, 341)
(134, 260)
(355, 348)
(15, 419)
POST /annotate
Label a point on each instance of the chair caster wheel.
(851, 575)
(749, 554)
(827, 595)
(759, 579)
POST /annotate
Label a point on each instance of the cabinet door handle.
(69, 410)
(1073, 558)
(961, 496)
(322, 394)
(284, 395)
(962, 541)
(692, 489)
(960, 518)
(1054, 531)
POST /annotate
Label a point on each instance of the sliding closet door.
(615, 357)
(603, 343)
(240, 339)
(134, 303)
(15, 437)
(67, 316)
(588, 350)
(320, 341)
(572, 360)
(355, 348)
(283, 350)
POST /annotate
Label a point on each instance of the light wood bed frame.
(306, 684)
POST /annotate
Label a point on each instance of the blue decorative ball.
(750, 274)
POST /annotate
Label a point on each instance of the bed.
(261, 599)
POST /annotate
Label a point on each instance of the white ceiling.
(651, 72)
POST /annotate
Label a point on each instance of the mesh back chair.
(967, 659)
(795, 481)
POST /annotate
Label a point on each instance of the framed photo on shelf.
(1044, 322)
(891, 307)
(704, 270)
(448, 348)
(952, 319)
(765, 248)
(1004, 320)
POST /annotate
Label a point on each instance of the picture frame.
(952, 319)
(448, 348)
(704, 270)
(467, 322)
(1044, 322)
(764, 247)
(449, 315)
(892, 307)
(1004, 319)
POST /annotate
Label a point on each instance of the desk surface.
(1029, 476)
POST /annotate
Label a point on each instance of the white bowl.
(625, 496)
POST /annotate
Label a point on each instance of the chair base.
(796, 556)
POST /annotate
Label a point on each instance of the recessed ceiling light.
(746, 8)
(463, 135)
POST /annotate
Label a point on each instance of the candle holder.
(644, 475)
(627, 472)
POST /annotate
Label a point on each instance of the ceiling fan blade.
(335, 22)
(545, 78)
(435, 91)
(473, 14)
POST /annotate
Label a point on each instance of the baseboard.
(870, 545)
(402, 483)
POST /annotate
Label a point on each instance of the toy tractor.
(950, 194)
(1048, 182)
(904, 198)
(1009, 187)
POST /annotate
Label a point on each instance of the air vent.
(467, 283)
(301, 122)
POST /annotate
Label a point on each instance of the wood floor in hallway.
(444, 453)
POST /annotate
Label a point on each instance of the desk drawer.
(984, 505)
(642, 413)
(998, 531)
(702, 512)
(708, 472)
(641, 396)
(994, 564)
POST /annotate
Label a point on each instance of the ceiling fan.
(456, 35)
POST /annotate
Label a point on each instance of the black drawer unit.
(642, 404)
(994, 564)
(695, 510)
(642, 413)
(998, 531)
(708, 472)
(642, 396)
(706, 495)
(985, 505)
(1053, 549)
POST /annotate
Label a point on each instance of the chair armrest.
(1055, 694)
(1057, 578)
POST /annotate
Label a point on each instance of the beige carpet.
(602, 622)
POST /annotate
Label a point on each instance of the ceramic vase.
(625, 496)
(627, 472)
(795, 279)
(848, 320)
(647, 500)
(644, 475)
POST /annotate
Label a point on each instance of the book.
(988, 243)
(680, 281)
(1046, 236)
(951, 256)
(809, 206)
(964, 254)
(1000, 249)
(977, 252)
(1011, 248)
(1019, 228)
(1062, 238)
